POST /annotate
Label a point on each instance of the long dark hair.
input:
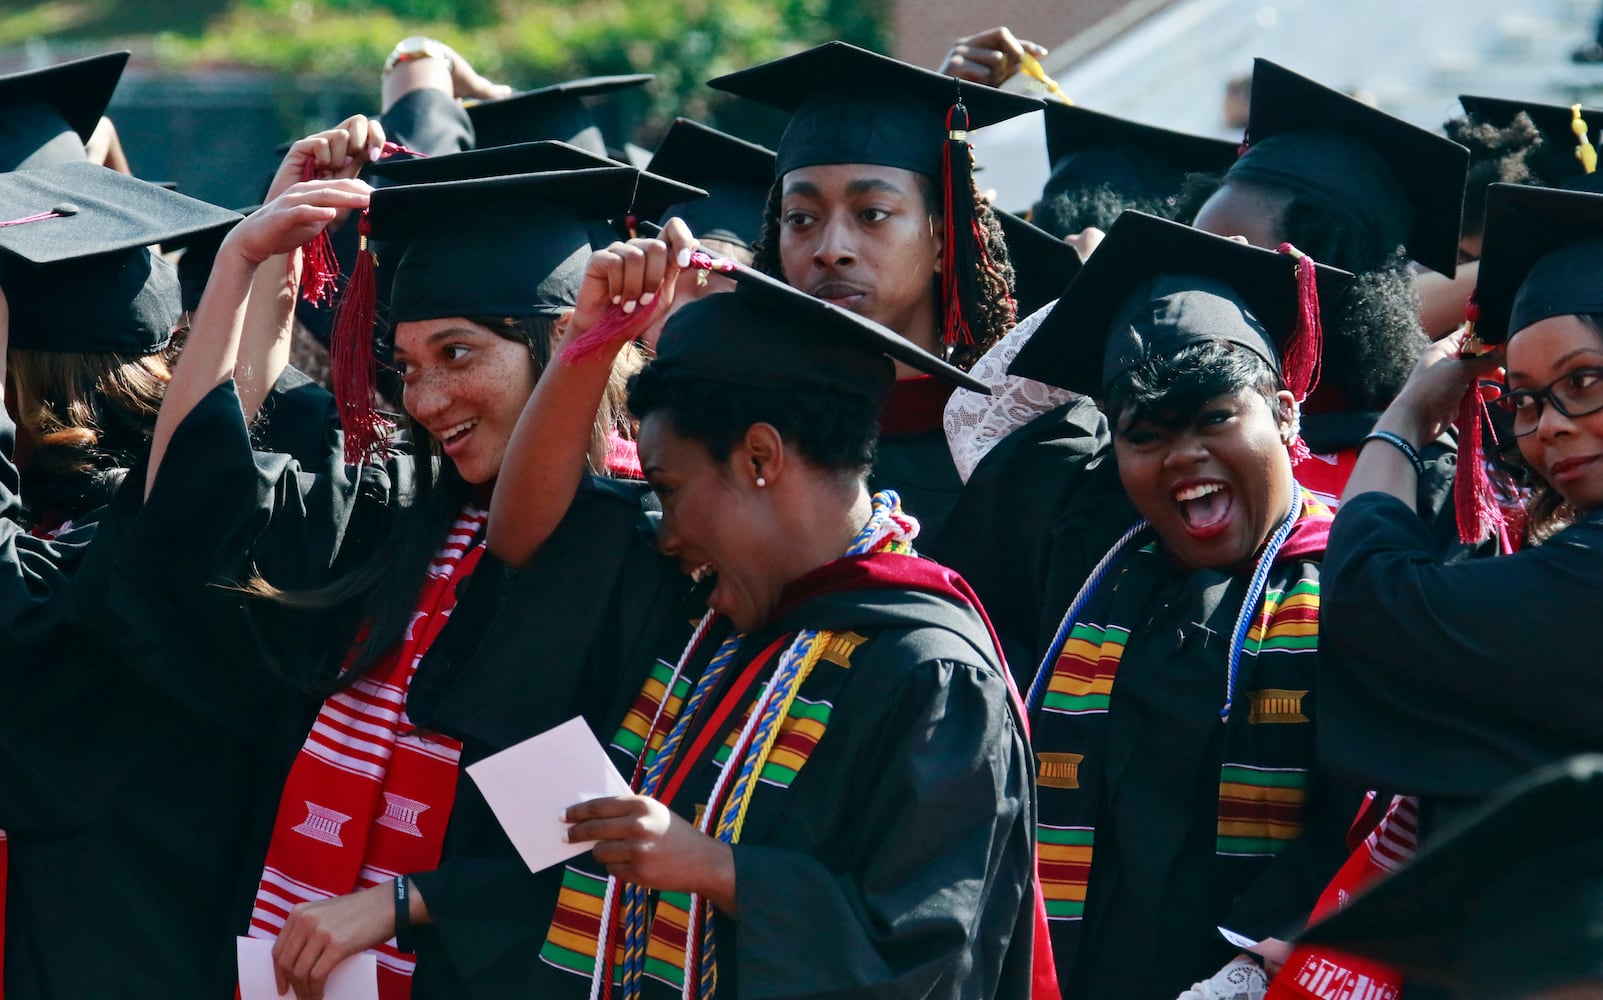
(91, 417)
(991, 314)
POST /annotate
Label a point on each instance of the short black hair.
(1496, 156)
(833, 429)
(1169, 389)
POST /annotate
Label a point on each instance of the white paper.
(356, 978)
(529, 785)
(1237, 940)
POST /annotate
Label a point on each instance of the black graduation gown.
(158, 742)
(1163, 873)
(298, 418)
(1036, 514)
(1448, 681)
(897, 862)
(525, 651)
(912, 456)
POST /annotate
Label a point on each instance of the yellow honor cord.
(1032, 68)
(1584, 150)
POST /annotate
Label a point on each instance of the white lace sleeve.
(975, 423)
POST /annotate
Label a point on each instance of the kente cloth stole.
(1261, 798)
(368, 796)
(677, 924)
(1385, 846)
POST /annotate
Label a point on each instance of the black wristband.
(1401, 444)
(403, 917)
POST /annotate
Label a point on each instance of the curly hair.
(1372, 347)
(1496, 156)
(1065, 213)
(835, 430)
(1170, 389)
(994, 311)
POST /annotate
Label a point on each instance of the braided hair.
(993, 312)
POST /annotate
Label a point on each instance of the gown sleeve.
(1448, 679)
(220, 513)
(933, 894)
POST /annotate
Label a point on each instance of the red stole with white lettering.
(368, 796)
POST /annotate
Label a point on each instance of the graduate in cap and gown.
(91, 312)
(375, 551)
(1423, 681)
(1173, 715)
(873, 207)
(833, 792)
(557, 111)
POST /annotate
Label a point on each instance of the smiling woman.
(1175, 710)
(1418, 668)
(380, 556)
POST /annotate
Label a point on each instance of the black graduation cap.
(1406, 182)
(1043, 265)
(766, 333)
(737, 175)
(554, 112)
(653, 192)
(46, 115)
(1559, 162)
(1508, 903)
(80, 277)
(1155, 285)
(1542, 257)
(850, 105)
(494, 246)
(198, 255)
(1086, 148)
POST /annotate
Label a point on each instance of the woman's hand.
(642, 841)
(1086, 241)
(631, 275)
(293, 218)
(341, 151)
(320, 935)
(1429, 400)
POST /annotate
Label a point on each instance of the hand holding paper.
(356, 978)
(529, 786)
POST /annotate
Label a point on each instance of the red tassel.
(320, 268)
(957, 280)
(1474, 503)
(354, 367)
(1300, 362)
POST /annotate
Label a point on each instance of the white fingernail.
(684, 258)
(617, 299)
(374, 153)
(629, 306)
(648, 298)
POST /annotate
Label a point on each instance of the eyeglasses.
(1574, 394)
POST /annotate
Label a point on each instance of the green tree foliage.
(528, 43)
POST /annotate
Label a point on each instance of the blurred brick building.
(923, 30)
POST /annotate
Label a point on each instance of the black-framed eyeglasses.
(1574, 394)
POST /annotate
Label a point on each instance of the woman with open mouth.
(348, 575)
(832, 793)
(1173, 716)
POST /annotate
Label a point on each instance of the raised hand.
(341, 151)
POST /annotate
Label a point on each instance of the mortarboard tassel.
(1474, 504)
(354, 367)
(1584, 151)
(957, 281)
(1306, 345)
(320, 268)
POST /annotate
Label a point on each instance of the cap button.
(65, 208)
